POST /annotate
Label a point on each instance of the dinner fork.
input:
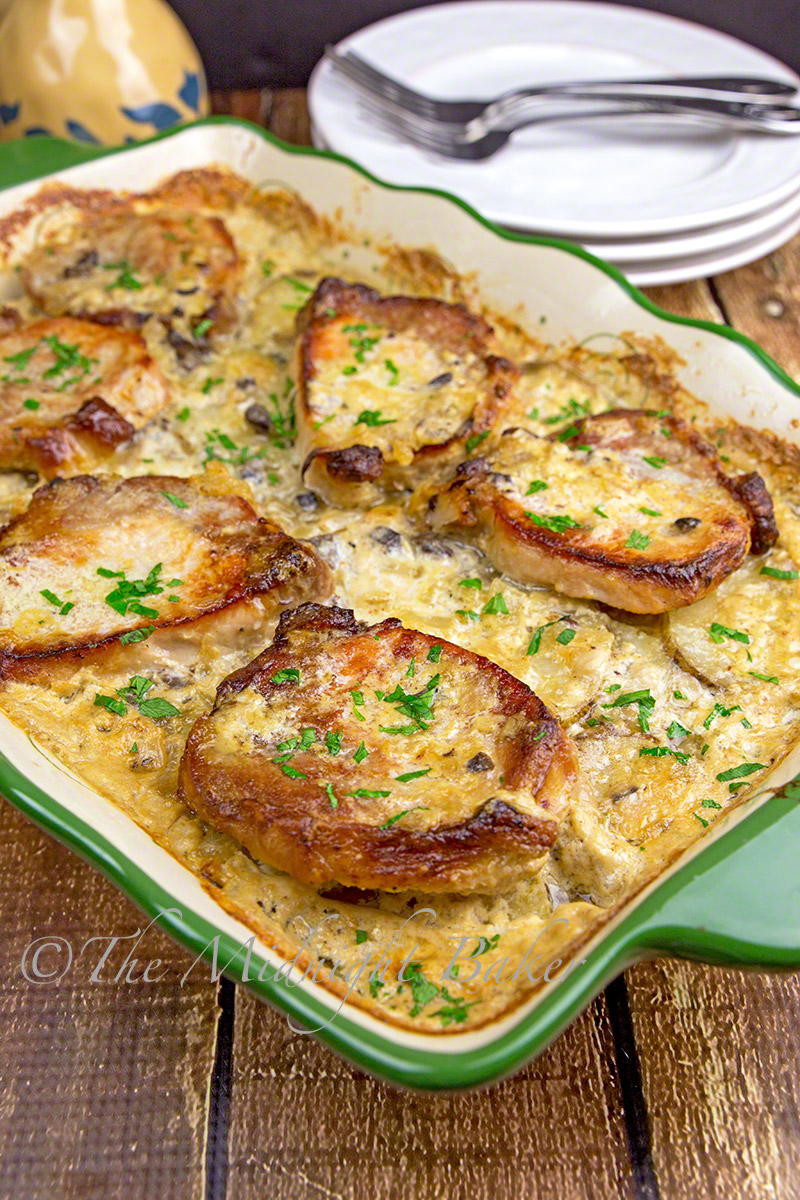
(449, 141)
(370, 78)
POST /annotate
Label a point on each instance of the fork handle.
(701, 87)
(773, 118)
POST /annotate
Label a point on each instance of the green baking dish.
(733, 898)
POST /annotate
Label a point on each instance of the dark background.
(265, 43)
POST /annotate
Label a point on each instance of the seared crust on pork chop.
(379, 757)
(94, 558)
(629, 507)
(390, 387)
(123, 267)
(71, 391)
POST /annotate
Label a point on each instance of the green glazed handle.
(738, 902)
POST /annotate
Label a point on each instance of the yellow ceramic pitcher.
(99, 71)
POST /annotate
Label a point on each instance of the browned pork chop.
(390, 388)
(629, 507)
(71, 392)
(379, 757)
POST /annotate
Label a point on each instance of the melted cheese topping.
(649, 767)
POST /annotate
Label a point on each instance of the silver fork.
(457, 142)
(495, 113)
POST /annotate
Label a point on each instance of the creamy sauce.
(650, 766)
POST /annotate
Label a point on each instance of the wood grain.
(305, 1125)
(719, 1055)
(763, 300)
(103, 1086)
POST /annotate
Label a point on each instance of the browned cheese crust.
(71, 392)
(94, 558)
(390, 388)
(122, 267)
(630, 507)
(380, 757)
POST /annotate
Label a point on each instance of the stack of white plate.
(664, 201)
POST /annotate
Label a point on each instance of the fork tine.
(423, 137)
(357, 69)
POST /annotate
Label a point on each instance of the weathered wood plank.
(763, 300)
(719, 1054)
(103, 1085)
(305, 1125)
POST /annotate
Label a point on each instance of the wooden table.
(681, 1081)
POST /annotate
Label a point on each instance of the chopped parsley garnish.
(711, 804)
(774, 573)
(570, 432)
(137, 635)
(135, 693)
(496, 605)
(663, 752)
(468, 614)
(536, 639)
(764, 678)
(176, 500)
(351, 369)
(676, 730)
(236, 455)
(423, 993)
(565, 637)
(409, 775)
(369, 794)
(474, 440)
(184, 414)
(202, 327)
(719, 710)
(573, 408)
(637, 540)
(126, 594)
(267, 267)
(333, 742)
(557, 524)
(358, 704)
(21, 359)
(471, 583)
(63, 606)
(393, 371)
(676, 695)
(125, 279)
(597, 509)
(649, 512)
(211, 383)
(643, 698)
(417, 705)
(485, 944)
(702, 820)
(329, 792)
(434, 654)
(361, 936)
(653, 460)
(31, 404)
(292, 772)
(157, 707)
(536, 485)
(399, 816)
(111, 703)
(718, 633)
(298, 284)
(740, 772)
(372, 417)
(286, 675)
(360, 753)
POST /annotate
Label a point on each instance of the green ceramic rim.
(736, 902)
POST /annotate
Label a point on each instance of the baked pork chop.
(379, 757)
(71, 392)
(630, 507)
(93, 559)
(390, 388)
(123, 267)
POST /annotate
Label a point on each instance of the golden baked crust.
(123, 267)
(379, 757)
(93, 558)
(629, 507)
(71, 392)
(390, 389)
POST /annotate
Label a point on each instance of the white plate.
(679, 270)
(701, 241)
(589, 183)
